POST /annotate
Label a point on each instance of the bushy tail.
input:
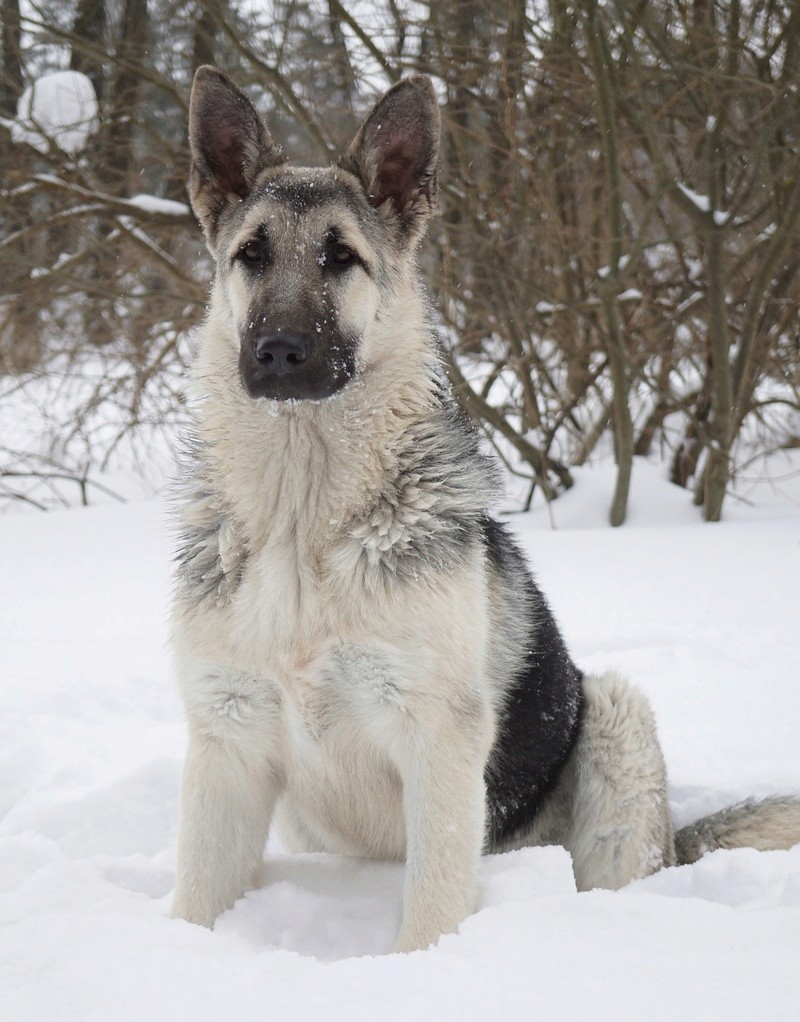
(766, 824)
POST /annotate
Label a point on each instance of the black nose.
(280, 354)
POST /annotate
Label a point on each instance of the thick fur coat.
(365, 659)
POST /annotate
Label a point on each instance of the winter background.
(704, 618)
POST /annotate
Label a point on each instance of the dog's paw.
(419, 938)
(183, 908)
(425, 922)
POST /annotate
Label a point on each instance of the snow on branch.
(146, 207)
(703, 204)
(58, 109)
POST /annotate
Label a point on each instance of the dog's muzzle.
(294, 367)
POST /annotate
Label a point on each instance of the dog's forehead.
(304, 201)
(303, 189)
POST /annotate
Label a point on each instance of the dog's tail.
(766, 824)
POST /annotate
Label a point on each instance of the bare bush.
(616, 257)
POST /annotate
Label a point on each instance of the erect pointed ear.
(395, 154)
(229, 142)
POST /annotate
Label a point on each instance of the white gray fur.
(365, 660)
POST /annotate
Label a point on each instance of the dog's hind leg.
(620, 826)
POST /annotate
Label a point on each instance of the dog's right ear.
(230, 145)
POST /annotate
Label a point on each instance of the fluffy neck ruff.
(304, 468)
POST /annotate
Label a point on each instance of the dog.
(365, 659)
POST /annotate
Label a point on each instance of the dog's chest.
(342, 715)
(292, 627)
(347, 679)
(277, 616)
(277, 591)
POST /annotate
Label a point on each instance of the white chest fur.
(343, 719)
(327, 696)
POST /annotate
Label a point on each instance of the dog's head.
(303, 255)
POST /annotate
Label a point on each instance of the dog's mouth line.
(289, 400)
(316, 381)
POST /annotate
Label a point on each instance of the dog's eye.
(342, 255)
(251, 252)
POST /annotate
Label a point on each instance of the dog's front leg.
(444, 799)
(226, 805)
(230, 787)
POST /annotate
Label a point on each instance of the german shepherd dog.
(364, 656)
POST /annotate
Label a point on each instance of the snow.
(61, 108)
(155, 204)
(604, 271)
(703, 617)
(702, 202)
(73, 422)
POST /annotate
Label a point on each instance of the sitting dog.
(364, 657)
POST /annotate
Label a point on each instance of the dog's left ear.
(395, 154)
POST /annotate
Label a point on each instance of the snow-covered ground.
(704, 618)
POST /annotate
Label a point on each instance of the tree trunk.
(618, 358)
(717, 470)
(11, 80)
(204, 35)
(124, 97)
(90, 27)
